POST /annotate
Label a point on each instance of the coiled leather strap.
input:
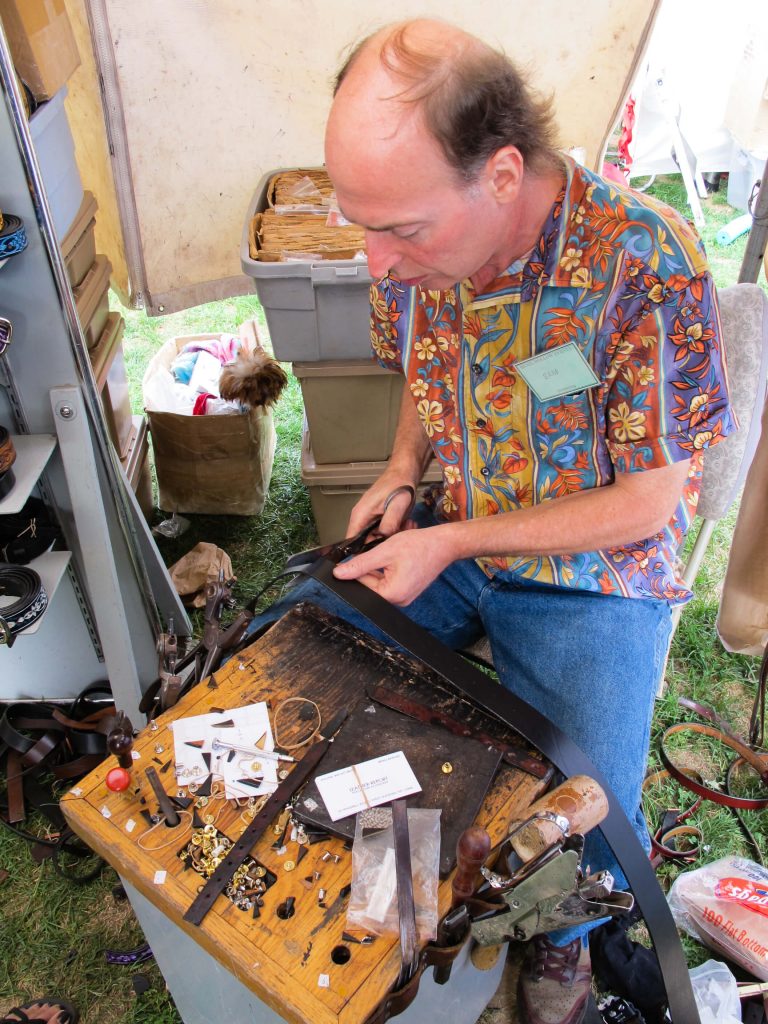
(23, 584)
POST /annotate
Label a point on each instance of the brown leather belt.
(720, 731)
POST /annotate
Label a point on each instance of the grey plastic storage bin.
(352, 409)
(335, 489)
(55, 151)
(314, 309)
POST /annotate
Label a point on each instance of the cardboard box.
(214, 465)
(42, 43)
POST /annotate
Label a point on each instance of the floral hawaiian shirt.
(623, 277)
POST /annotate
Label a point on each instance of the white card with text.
(368, 784)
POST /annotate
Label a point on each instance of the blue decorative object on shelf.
(13, 237)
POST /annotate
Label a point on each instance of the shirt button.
(480, 423)
(477, 369)
(485, 471)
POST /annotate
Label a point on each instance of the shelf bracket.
(81, 472)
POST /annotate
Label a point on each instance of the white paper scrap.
(130, 825)
(106, 812)
(159, 878)
(324, 981)
(368, 784)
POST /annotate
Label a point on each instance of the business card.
(368, 784)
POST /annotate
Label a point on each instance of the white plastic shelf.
(32, 454)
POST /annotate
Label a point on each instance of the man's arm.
(410, 455)
(636, 506)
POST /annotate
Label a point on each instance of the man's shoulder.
(645, 226)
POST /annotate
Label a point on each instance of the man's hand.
(402, 566)
(372, 505)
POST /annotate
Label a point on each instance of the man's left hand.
(402, 566)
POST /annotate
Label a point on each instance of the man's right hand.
(394, 516)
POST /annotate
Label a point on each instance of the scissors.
(342, 549)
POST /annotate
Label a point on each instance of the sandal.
(65, 1013)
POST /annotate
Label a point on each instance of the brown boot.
(554, 983)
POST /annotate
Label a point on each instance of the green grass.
(53, 933)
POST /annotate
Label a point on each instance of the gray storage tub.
(315, 310)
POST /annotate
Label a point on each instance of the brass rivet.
(289, 865)
(446, 768)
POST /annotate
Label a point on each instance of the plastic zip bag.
(373, 900)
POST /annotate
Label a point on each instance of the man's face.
(423, 224)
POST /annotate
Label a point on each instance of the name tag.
(557, 372)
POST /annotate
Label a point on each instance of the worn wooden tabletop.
(289, 964)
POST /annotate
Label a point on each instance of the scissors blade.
(337, 551)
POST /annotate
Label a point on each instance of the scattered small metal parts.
(446, 768)
(326, 856)
(321, 894)
(316, 876)
(289, 865)
(363, 940)
(159, 748)
(153, 726)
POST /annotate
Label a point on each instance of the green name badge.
(557, 372)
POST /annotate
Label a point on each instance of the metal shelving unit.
(110, 592)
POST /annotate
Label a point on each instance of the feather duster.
(254, 379)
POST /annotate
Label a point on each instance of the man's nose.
(382, 253)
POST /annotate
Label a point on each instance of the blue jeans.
(590, 662)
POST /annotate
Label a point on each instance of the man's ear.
(504, 174)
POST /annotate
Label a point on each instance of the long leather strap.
(555, 745)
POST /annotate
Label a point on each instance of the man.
(570, 477)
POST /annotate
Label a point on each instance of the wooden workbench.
(287, 964)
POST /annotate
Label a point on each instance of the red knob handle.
(472, 849)
(118, 779)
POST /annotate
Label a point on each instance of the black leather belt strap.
(555, 745)
(406, 909)
(23, 584)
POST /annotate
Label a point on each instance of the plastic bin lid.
(339, 368)
(46, 112)
(93, 286)
(360, 474)
(83, 218)
(104, 352)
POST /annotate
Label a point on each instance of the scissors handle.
(399, 490)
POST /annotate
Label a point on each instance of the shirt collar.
(553, 260)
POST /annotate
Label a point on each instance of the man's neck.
(526, 220)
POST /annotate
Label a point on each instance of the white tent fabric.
(205, 96)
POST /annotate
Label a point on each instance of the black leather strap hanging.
(554, 744)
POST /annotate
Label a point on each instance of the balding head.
(434, 146)
(469, 97)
